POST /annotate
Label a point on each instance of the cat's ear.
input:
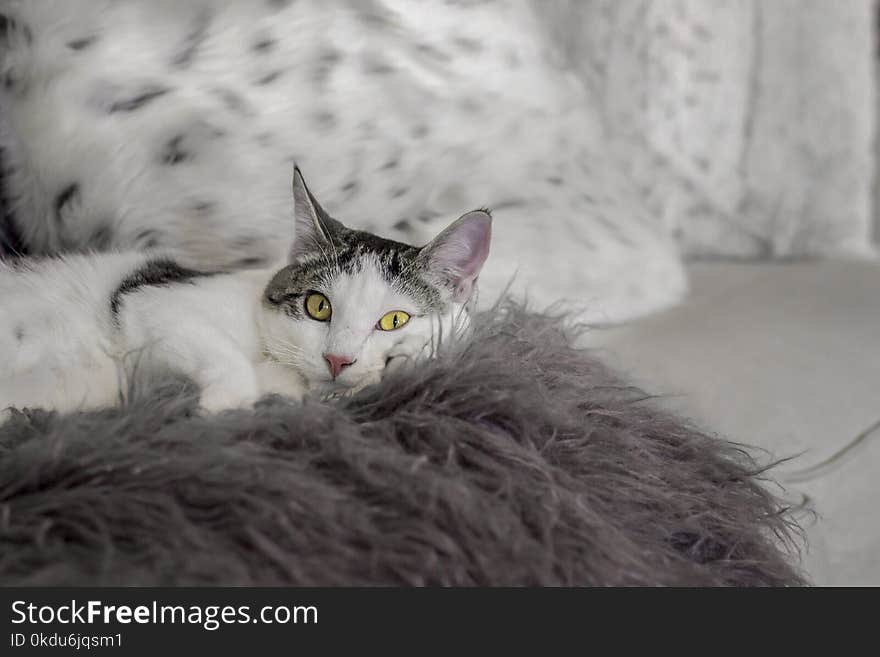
(456, 255)
(313, 228)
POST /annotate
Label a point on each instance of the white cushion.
(785, 357)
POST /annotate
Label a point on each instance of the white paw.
(276, 379)
(216, 398)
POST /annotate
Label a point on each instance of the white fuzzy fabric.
(401, 117)
(747, 125)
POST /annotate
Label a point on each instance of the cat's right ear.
(313, 228)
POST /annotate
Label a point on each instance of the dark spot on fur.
(374, 64)
(9, 25)
(203, 207)
(393, 163)
(11, 238)
(244, 242)
(173, 153)
(555, 180)
(162, 271)
(82, 44)
(264, 45)
(510, 203)
(426, 215)
(279, 4)
(18, 332)
(375, 17)
(67, 195)
(250, 262)
(102, 237)
(420, 131)
(148, 239)
(468, 44)
(146, 96)
(511, 59)
(397, 192)
(325, 119)
(614, 230)
(269, 78)
(433, 52)
(403, 225)
(324, 66)
(193, 40)
(350, 186)
(233, 101)
(470, 105)
(330, 56)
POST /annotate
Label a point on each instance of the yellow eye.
(393, 320)
(318, 307)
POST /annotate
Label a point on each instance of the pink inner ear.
(461, 249)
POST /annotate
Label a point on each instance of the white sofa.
(784, 357)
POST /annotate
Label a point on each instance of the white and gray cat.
(73, 330)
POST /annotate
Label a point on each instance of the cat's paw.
(222, 398)
(276, 379)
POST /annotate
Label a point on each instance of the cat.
(345, 305)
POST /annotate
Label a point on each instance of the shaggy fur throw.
(513, 459)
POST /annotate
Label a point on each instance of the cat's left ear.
(314, 228)
(457, 254)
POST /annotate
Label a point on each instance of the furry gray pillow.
(513, 459)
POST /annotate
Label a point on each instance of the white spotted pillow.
(175, 125)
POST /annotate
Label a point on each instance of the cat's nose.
(337, 363)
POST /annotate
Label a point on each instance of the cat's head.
(349, 303)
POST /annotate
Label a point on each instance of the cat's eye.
(393, 320)
(318, 307)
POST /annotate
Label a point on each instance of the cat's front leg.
(228, 387)
(216, 398)
(216, 364)
(276, 379)
(229, 382)
(221, 397)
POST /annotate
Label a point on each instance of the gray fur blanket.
(513, 459)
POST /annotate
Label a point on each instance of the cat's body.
(72, 335)
(74, 331)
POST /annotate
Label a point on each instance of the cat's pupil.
(394, 320)
(321, 306)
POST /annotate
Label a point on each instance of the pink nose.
(338, 363)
